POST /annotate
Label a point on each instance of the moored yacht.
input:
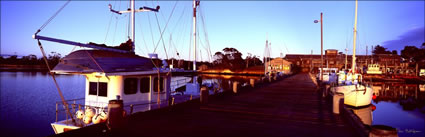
(356, 93)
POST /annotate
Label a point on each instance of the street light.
(321, 44)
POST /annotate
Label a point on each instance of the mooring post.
(204, 95)
(252, 82)
(336, 102)
(235, 87)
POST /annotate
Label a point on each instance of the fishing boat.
(356, 93)
(115, 74)
(329, 75)
(373, 69)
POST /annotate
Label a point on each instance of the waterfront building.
(279, 65)
(334, 59)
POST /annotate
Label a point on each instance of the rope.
(56, 83)
(54, 15)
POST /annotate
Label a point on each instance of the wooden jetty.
(289, 107)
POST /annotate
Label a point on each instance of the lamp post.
(321, 44)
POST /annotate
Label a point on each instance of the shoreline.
(23, 68)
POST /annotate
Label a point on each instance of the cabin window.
(130, 86)
(93, 88)
(102, 86)
(103, 89)
(161, 84)
(145, 85)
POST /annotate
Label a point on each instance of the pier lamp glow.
(321, 44)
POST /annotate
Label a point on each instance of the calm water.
(28, 102)
(401, 106)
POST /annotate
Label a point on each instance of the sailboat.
(356, 94)
(114, 74)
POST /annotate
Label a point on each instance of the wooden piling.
(235, 87)
(204, 95)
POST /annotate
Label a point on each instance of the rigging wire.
(143, 37)
(160, 38)
(166, 25)
(64, 102)
(205, 34)
(179, 32)
(54, 15)
(150, 27)
(116, 23)
(109, 24)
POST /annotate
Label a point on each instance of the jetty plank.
(290, 107)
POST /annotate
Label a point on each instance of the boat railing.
(74, 105)
(131, 108)
(79, 104)
(176, 83)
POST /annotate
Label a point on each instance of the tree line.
(409, 53)
(231, 58)
(53, 58)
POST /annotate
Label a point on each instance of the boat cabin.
(110, 74)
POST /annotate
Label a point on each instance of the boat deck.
(290, 107)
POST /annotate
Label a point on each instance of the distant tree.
(412, 53)
(12, 60)
(380, 50)
(218, 58)
(394, 52)
(54, 58)
(230, 58)
(253, 61)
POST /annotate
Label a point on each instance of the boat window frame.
(148, 86)
(135, 89)
(101, 89)
(162, 82)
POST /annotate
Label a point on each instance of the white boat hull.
(355, 95)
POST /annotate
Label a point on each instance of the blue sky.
(244, 25)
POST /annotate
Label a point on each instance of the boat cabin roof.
(100, 61)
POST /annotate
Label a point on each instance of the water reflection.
(401, 106)
(225, 82)
(29, 97)
(409, 96)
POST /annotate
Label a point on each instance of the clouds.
(413, 37)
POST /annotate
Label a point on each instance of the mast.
(266, 56)
(133, 35)
(195, 4)
(132, 12)
(353, 64)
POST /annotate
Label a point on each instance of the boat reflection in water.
(409, 96)
(365, 114)
(401, 106)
